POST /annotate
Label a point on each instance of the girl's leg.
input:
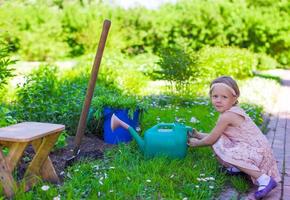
(266, 183)
(225, 164)
(230, 169)
(252, 173)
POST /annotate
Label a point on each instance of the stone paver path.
(279, 137)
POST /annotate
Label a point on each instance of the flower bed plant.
(115, 100)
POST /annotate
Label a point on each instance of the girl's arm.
(195, 134)
(200, 135)
(224, 120)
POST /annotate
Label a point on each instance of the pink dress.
(245, 146)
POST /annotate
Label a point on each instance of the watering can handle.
(91, 85)
(165, 125)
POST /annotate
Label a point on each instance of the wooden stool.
(16, 137)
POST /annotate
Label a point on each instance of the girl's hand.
(193, 142)
(192, 134)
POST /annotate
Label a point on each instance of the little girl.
(236, 140)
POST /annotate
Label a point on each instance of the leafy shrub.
(34, 31)
(45, 49)
(46, 98)
(266, 62)
(255, 112)
(70, 29)
(213, 23)
(5, 73)
(73, 22)
(37, 94)
(268, 32)
(5, 61)
(82, 26)
(6, 117)
(177, 67)
(217, 61)
(132, 82)
(61, 141)
(126, 73)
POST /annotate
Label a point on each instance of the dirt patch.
(91, 147)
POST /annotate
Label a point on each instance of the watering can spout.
(116, 122)
(138, 138)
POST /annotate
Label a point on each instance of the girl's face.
(222, 98)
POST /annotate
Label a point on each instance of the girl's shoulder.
(237, 110)
(235, 115)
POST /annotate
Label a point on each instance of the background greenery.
(68, 28)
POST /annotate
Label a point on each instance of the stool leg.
(15, 153)
(47, 170)
(41, 155)
(6, 177)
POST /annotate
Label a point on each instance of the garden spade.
(89, 93)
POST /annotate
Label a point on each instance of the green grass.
(203, 114)
(240, 183)
(124, 173)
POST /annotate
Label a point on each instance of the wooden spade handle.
(91, 86)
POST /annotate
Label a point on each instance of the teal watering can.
(163, 139)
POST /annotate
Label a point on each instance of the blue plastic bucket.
(120, 134)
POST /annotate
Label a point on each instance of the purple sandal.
(262, 193)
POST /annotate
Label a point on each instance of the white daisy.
(45, 187)
(56, 198)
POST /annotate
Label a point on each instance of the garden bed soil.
(91, 147)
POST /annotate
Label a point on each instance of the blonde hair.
(229, 81)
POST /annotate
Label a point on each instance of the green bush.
(5, 71)
(125, 72)
(214, 23)
(132, 82)
(46, 31)
(33, 30)
(177, 67)
(46, 98)
(217, 61)
(6, 117)
(49, 96)
(37, 94)
(266, 62)
(73, 22)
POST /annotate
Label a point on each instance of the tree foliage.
(5, 61)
